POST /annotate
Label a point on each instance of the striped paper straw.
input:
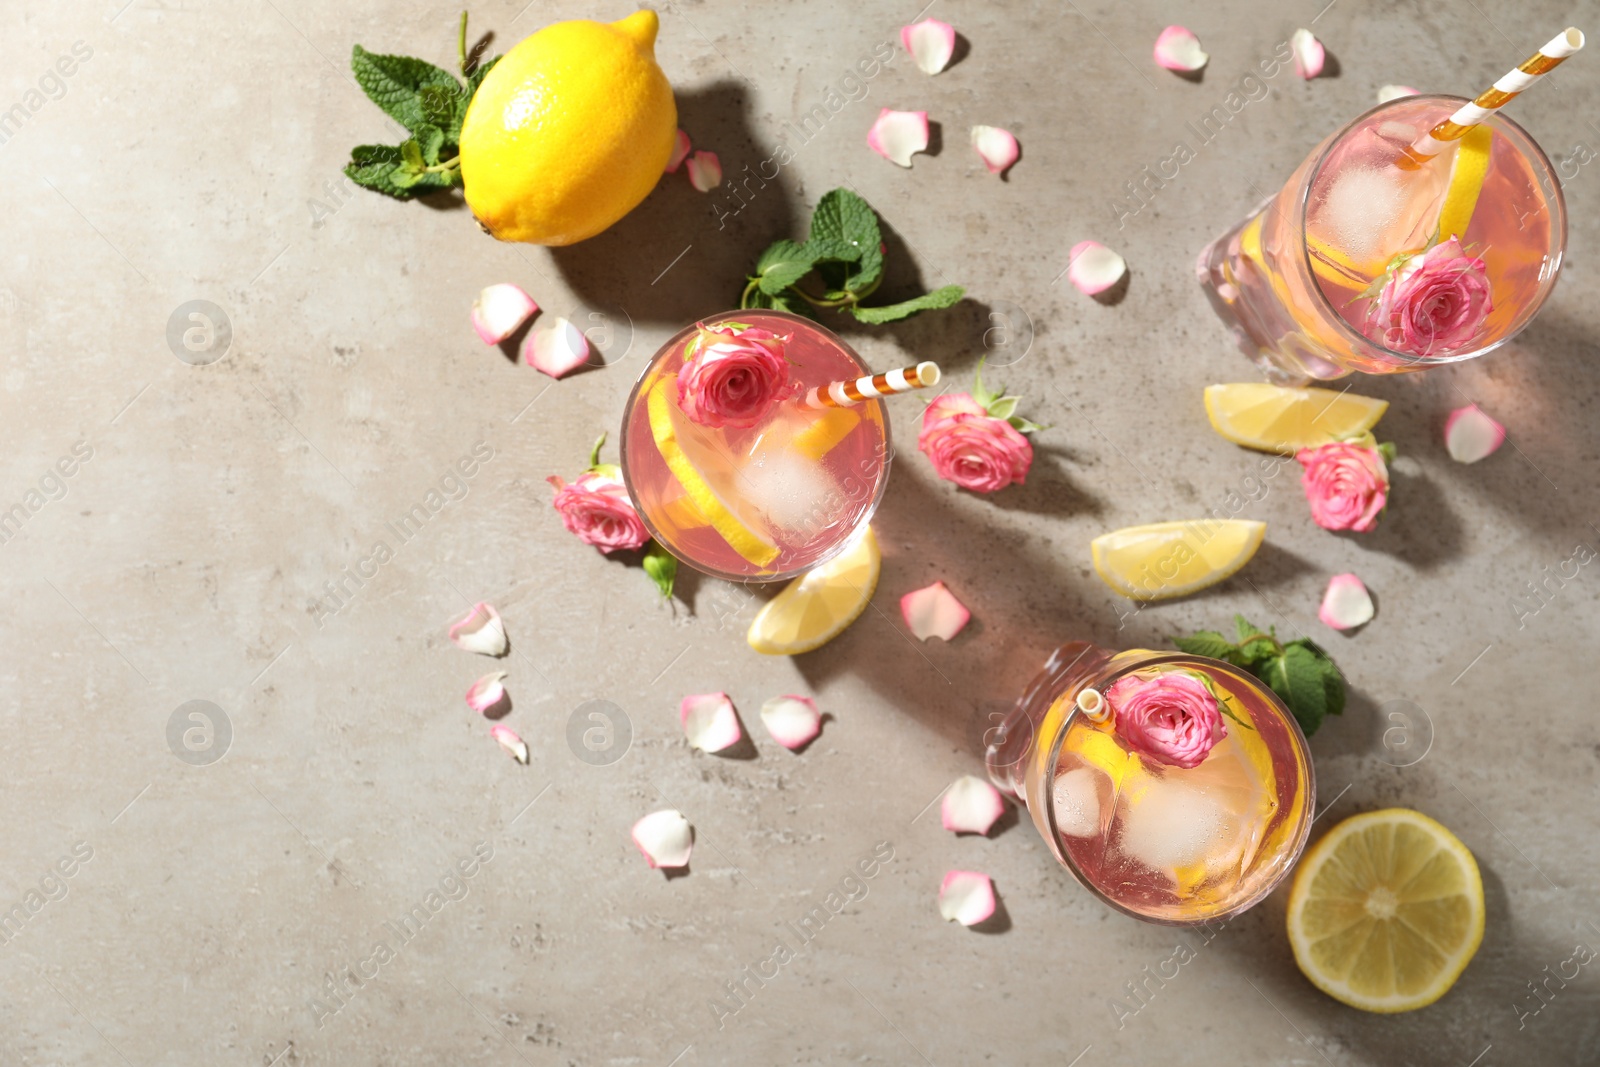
(1542, 62)
(849, 394)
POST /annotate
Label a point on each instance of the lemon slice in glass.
(1386, 911)
(709, 492)
(1272, 418)
(1168, 559)
(1467, 172)
(817, 606)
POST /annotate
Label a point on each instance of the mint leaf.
(864, 276)
(1256, 652)
(395, 84)
(661, 566)
(843, 216)
(939, 298)
(783, 264)
(372, 166)
(1297, 677)
(1206, 643)
(1245, 628)
(431, 140)
(1332, 678)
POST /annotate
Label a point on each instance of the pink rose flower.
(1171, 717)
(972, 448)
(596, 508)
(1434, 303)
(1346, 484)
(735, 377)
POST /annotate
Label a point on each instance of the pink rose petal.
(1470, 435)
(1094, 268)
(933, 611)
(480, 631)
(1178, 49)
(898, 134)
(1395, 92)
(486, 692)
(793, 721)
(500, 310)
(680, 151)
(556, 349)
(967, 897)
(510, 742)
(971, 806)
(665, 838)
(931, 44)
(705, 171)
(709, 721)
(1309, 55)
(1346, 604)
(997, 147)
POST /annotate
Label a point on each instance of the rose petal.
(967, 897)
(680, 151)
(792, 721)
(1346, 604)
(1395, 92)
(486, 692)
(500, 310)
(1470, 435)
(897, 134)
(665, 838)
(1309, 55)
(933, 611)
(556, 349)
(971, 805)
(931, 44)
(705, 171)
(510, 742)
(709, 721)
(997, 147)
(1094, 268)
(480, 631)
(1178, 49)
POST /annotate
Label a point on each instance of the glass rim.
(833, 551)
(1557, 200)
(1302, 833)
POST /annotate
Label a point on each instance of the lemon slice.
(1467, 172)
(1386, 911)
(817, 606)
(822, 433)
(1168, 559)
(1273, 418)
(671, 435)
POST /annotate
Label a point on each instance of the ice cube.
(1077, 802)
(1174, 825)
(1360, 208)
(790, 491)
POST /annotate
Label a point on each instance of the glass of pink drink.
(1295, 280)
(1165, 843)
(761, 503)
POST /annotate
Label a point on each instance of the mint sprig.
(431, 104)
(844, 250)
(1299, 671)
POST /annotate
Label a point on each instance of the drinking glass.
(1292, 281)
(1159, 842)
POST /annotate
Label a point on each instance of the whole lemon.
(569, 131)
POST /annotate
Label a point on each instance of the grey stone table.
(227, 910)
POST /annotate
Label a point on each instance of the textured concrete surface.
(216, 905)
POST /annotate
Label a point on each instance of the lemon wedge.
(817, 606)
(822, 433)
(1273, 418)
(673, 437)
(1168, 559)
(1467, 172)
(1386, 911)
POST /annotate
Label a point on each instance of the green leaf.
(1256, 652)
(1004, 407)
(661, 566)
(1297, 677)
(1332, 677)
(1022, 425)
(1245, 628)
(594, 453)
(831, 249)
(939, 298)
(395, 84)
(1388, 451)
(982, 395)
(372, 166)
(431, 140)
(1207, 643)
(783, 264)
(843, 216)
